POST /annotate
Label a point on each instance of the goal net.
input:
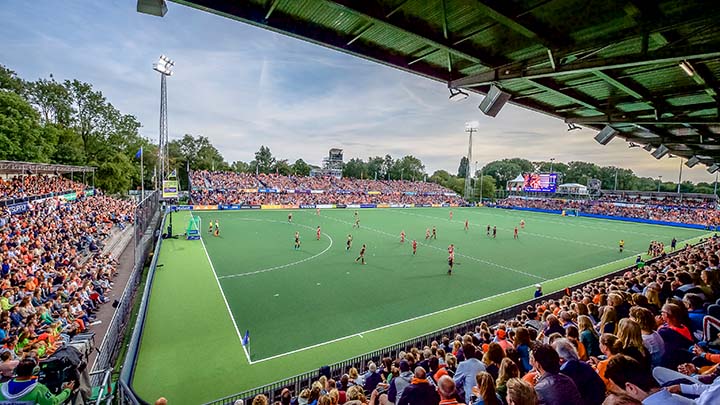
(193, 228)
(570, 212)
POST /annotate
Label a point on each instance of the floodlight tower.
(163, 66)
(470, 127)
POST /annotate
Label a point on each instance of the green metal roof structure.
(649, 69)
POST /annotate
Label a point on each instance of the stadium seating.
(210, 188)
(700, 213)
(54, 274)
(35, 185)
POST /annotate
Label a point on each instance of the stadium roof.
(10, 167)
(648, 68)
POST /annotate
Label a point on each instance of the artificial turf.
(294, 302)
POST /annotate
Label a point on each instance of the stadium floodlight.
(164, 65)
(687, 68)
(470, 127)
(714, 168)
(692, 161)
(153, 7)
(648, 147)
(661, 151)
(457, 95)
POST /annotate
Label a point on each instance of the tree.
(355, 168)
(52, 100)
(582, 172)
(300, 168)
(375, 168)
(264, 159)
(282, 167)
(239, 166)
(10, 81)
(463, 168)
(502, 171)
(488, 187)
(21, 137)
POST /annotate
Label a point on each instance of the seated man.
(26, 389)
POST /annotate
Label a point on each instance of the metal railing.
(147, 216)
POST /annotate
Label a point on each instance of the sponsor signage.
(317, 191)
(373, 192)
(353, 206)
(325, 206)
(18, 208)
(383, 205)
(204, 207)
(271, 206)
(170, 189)
(303, 206)
(182, 207)
(340, 206)
(367, 206)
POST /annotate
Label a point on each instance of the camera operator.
(26, 389)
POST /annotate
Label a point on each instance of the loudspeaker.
(494, 101)
(692, 161)
(661, 151)
(606, 135)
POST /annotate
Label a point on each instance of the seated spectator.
(484, 392)
(551, 386)
(651, 339)
(447, 391)
(676, 337)
(628, 377)
(520, 392)
(467, 370)
(419, 392)
(589, 384)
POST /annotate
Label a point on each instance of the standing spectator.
(467, 370)
(552, 387)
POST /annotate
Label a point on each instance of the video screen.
(540, 182)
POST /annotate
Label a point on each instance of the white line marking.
(232, 318)
(284, 265)
(457, 254)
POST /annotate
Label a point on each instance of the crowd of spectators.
(18, 187)
(210, 188)
(637, 338)
(53, 274)
(708, 216)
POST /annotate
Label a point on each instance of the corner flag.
(246, 338)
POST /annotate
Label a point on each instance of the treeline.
(581, 172)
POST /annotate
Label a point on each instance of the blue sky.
(244, 87)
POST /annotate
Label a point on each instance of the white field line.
(232, 318)
(524, 232)
(457, 254)
(284, 265)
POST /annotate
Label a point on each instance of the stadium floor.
(317, 305)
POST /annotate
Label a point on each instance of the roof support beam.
(529, 30)
(517, 70)
(273, 4)
(618, 84)
(377, 16)
(572, 95)
(605, 120)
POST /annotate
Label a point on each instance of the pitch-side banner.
(170, 189)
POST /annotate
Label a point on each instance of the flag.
(139, 153)
(173, 173)
(246, 338)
